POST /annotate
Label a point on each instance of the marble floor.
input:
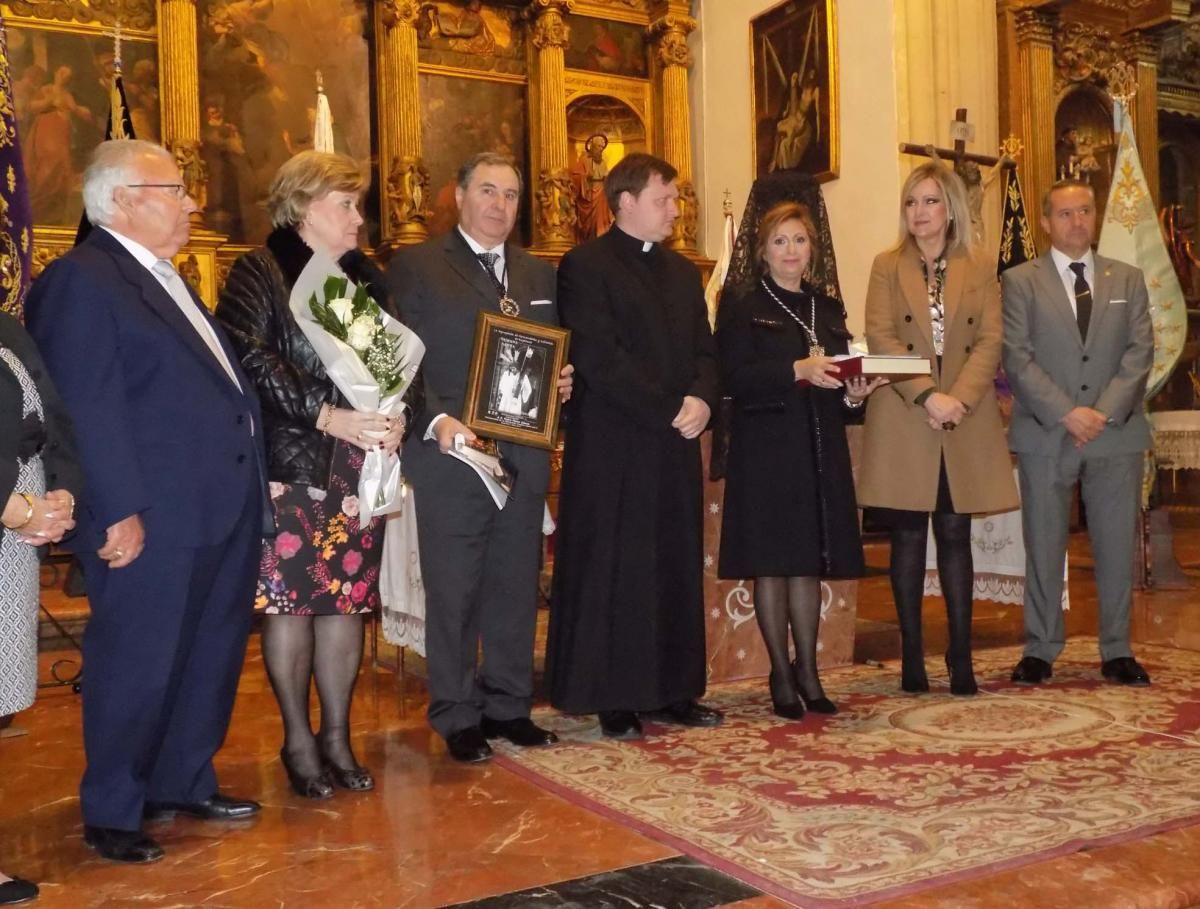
(436, 833)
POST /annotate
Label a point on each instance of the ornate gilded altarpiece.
(415, 87)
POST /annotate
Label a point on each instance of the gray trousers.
(1111, 489)
(480, 567)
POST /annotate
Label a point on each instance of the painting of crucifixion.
(794, 60)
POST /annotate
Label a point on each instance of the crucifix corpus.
(967, 164)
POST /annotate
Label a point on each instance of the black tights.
(957, 572)
(296, 649)
(778, 603)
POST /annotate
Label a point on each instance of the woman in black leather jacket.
(320, 574)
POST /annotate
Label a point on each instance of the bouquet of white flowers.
(371, 358)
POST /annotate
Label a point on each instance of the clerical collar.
(630, 242)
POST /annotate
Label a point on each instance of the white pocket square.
(1121, 300)
(541, 302)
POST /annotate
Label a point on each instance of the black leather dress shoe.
(1125, 671)
(468, 745)
(520, 731)
(17, 891)
(217, 808)
(620, 724)
(689, 713)
(1031, 671)
(129, 846)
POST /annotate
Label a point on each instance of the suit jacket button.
(910, 347)
(968, 348)
(241, 419)
(908, 318)
(1085, 358)
(241, 459)
(1083, 388)
(970, 320)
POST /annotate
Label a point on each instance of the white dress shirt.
(501, 274)
(1063, 262)
(172, 283)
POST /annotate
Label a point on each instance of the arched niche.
(601, 130)
(1085, 144)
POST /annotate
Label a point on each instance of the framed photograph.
(793, 57)
(512, 390)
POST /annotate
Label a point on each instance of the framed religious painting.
(793, 57)
(512, 389)
(463, 114)
(257, 80)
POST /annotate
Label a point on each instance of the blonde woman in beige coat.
(934, 446)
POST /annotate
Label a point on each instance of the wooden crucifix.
(966, 164)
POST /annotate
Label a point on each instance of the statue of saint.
(593, 217)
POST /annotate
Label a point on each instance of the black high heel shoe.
(356, 778)
(814, 705)
(962, 679)
(790, 708)
(309, 787)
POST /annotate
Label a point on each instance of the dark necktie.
(1083, 300)
(489, 260)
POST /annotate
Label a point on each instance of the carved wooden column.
(672, 58)
(179, 96)
(554, 213)
(1144, 52)
(404, 193)
(1035, 80)
(180, 92)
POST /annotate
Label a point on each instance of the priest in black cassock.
(627, 615)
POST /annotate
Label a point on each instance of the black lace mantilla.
(768, 191)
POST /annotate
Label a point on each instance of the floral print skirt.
(321, 562)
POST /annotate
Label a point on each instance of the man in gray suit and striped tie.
(1078, 346)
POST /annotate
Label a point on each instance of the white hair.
(113, 164)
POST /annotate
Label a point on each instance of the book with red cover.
(896, 368)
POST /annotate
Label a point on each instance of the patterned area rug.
(898, 793)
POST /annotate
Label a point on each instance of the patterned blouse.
(937, 301)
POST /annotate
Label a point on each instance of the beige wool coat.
(901, 453)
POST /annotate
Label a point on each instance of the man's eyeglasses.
(178, 190)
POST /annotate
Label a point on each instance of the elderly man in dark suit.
(1078, 347)
(480, 564)
(174, 506)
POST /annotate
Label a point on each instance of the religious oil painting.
(793, 53)
(258, 96)
(61, 84)
(472, 35)
(600, 46)
(512, 390)
(459, 118)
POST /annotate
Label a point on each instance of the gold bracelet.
(28, 510)
(328, 417)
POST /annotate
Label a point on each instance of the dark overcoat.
(789, 492)
(627, 617)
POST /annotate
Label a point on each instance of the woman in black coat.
(790, 517)
(39, 480)
(320, 575)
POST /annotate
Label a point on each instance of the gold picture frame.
(512, 388)
(794, 80)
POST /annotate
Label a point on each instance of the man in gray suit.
(1078, 346)
(480, 564)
